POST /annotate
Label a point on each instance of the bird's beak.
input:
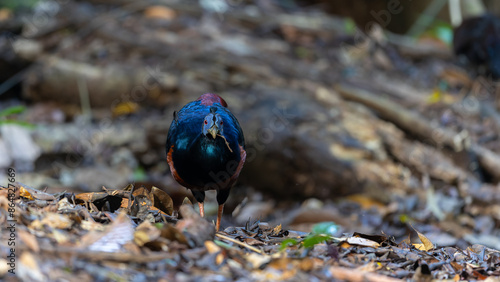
(214, 130)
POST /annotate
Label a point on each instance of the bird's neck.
(209, 147)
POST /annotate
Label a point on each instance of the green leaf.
(349, 26)
(139, 175)
(327, 227)
(314, 239)
(288, 243)
(17, 122)
(12, 110)
(223, 244)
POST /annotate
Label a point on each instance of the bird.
(478, 39)
(205, 149)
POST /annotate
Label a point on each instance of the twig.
(84, 98)
(426, 18)
(102, 256)
(227, 143)
(12, 81)
(239, 243)
(347, 274)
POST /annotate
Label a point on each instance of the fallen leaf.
(124, 108)
(29, 240)
(162, 201)
(52, 220)
(276, 230)
(212, 247)
(145, 233)
(426, 243)
(170, 232)
(196, 228)
(160, 12)
(362, 242)
(309, 264)
(257, 260)
(370, 267)
(32, 193)
(365, 201)
(186, 201)
(25, 193)
(113, 238)
(29, 268)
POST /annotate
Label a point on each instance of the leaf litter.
(134, 233)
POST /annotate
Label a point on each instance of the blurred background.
(359, 113)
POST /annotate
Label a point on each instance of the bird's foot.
(219, 216)
(202, 209)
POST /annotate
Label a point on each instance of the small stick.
(240, 243)
(227, 143)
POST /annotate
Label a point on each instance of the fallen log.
(416, 124)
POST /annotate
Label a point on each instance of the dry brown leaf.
(257, 260)
(285, 265)
(91, 196)
(124, 108)
(59, 236)
(309, 264)
(370, 267)
(426, 243)
(186, 201)
(64, 204)
(113, 238)
(212, 247)
(160, 12)
(362, 242)
(170, 232)
(52, 220)
(29, 240)
(25, 193)
(145, 233)
(162, 201)
(29, 269)
(276, 230)
(140, 191)
(253, 242)
(365, 201)
(219, 259)
(32, 193)
(91, 225)
(345, 245)
(125, 203)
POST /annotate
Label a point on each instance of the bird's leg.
(219, 216)
(202, 209)
(221, 199)
(200, 198)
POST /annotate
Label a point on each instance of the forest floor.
(371, 156)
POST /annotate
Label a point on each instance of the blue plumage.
(206, 148)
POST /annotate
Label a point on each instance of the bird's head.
(213, 124)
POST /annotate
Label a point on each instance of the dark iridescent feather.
(199, 161)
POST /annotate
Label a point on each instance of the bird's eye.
(221, 122)
(206, 122)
